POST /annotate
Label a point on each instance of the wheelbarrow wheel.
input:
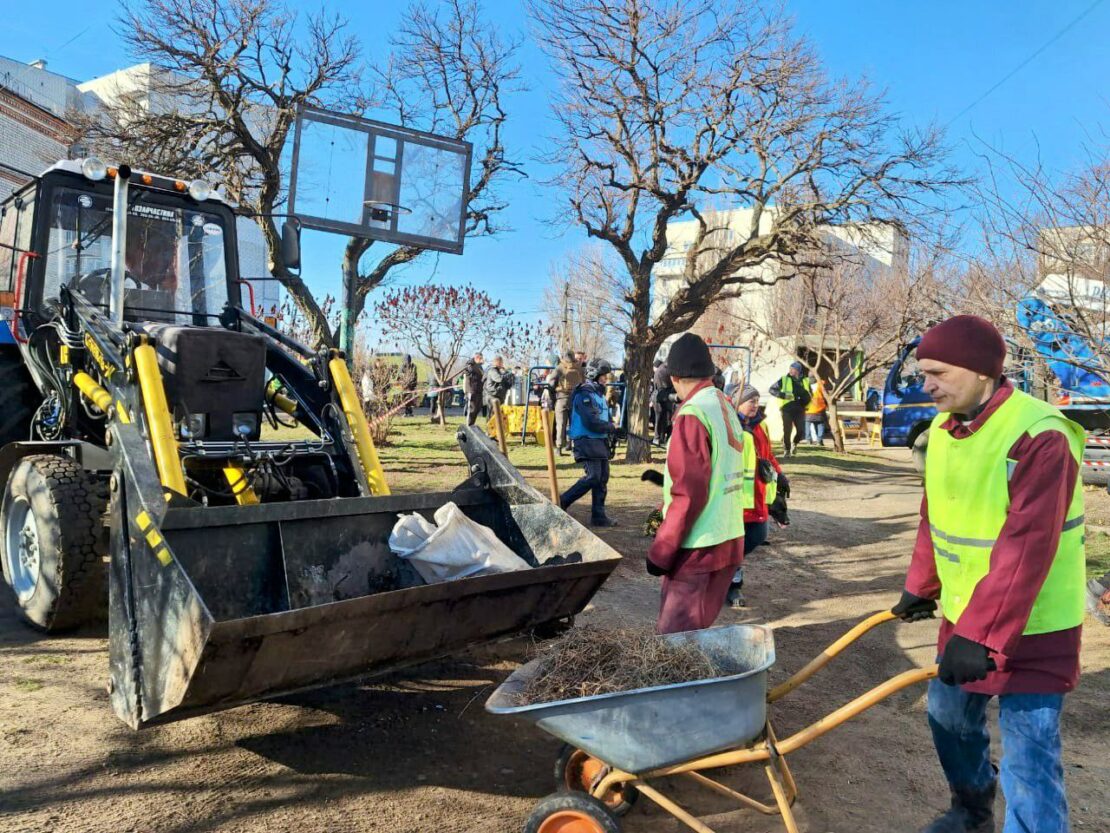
(571, 813)
(577, 772)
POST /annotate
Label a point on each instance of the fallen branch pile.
(591, 660)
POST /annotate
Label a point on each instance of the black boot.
(972, 811)
(735, 597)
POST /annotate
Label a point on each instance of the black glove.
(964, 661)
(911, 608)
(784, 485)
(654, 569)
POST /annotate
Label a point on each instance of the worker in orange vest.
(815, 413)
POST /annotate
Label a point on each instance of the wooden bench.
(863, 424)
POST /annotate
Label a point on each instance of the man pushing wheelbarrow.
(1001, 545)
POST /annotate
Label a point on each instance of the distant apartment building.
(35, 133)
(1073, 266)
(873, 249)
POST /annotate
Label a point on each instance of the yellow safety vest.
(786, 386)
(967, 487)
(732, 472)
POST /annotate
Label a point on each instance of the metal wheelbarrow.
(616, 744)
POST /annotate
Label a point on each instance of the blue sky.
(934, 59)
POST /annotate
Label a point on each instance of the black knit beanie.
(689, 358)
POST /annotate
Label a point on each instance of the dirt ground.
(417, 752)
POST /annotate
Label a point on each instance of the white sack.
(453, 547)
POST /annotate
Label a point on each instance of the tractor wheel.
(571, 813)
(578, 771)
(18, 397)
(917, 449)
(53, 541)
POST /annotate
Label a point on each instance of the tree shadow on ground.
(434, 713)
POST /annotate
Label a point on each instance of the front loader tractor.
(141, 473)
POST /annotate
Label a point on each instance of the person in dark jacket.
(589, 431)
(662, 402)
(408, 384)
(497, 384)
(794, 391)
(473, 377)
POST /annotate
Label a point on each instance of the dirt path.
(418, 753)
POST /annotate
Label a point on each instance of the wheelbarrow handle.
(826, 656)
(775, 747)
(860, 704)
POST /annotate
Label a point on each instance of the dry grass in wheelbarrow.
(590, 660)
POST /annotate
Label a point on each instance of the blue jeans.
(815, 431)
(1031, 773)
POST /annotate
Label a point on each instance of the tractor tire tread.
(79, 501)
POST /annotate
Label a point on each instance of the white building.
(873, 249)
(35, 133)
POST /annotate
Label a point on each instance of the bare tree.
(449, 74)
(844, 322)
(443, 324)
(1044, 265)
(669, 110)
(231, 76)
(585, 300)
(224, 90)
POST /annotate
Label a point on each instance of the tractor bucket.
(222, 606)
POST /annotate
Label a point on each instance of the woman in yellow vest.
(1000, 545)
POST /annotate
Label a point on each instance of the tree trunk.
(296, 288)
(637, 375)
(351, 305)
(835, 428)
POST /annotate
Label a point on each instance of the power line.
(1028, 60)
(71, 40)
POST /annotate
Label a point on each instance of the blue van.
(907, 409)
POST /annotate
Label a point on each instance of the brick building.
(33, 130)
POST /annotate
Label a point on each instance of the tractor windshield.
(175, 258)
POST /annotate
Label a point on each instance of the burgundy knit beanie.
(966, 341)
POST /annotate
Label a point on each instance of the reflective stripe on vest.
(731, 479)
(750, 464)
(967, 488)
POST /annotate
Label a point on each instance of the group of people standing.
(485, 390)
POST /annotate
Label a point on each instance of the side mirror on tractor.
(291, 245)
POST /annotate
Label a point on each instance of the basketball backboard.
(368, 179)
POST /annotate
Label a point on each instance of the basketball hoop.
(398, 185)
(383, 212)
